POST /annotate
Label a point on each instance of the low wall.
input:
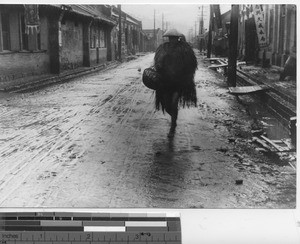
(14, 65)
(98, 56)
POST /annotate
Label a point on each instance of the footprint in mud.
(46, 175)
(70, 148)
(222, 149)
(73, 156)
(106, 99)
(197, 148)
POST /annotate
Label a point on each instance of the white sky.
(180, 16)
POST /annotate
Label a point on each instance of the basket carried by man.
(151, 78)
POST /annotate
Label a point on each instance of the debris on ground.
(239, 182)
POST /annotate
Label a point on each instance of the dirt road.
(98, 142)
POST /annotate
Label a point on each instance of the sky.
(183, 17)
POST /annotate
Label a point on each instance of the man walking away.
(176, 62)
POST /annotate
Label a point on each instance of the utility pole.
(233, 41)
(195, 31)
(162, 22)
(154, 34)
(209, 44)
(201, 22)
(120, 33)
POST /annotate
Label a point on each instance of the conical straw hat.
(172, 32)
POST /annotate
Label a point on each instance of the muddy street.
(97, 141)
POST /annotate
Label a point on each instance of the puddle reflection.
(166, 176)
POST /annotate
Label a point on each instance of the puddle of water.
(274, 129)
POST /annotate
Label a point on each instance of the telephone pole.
(201, 22)
(120, 33)
(201, 30)
(209, 44)
(233, 41)
(154, 34)
(162, 22)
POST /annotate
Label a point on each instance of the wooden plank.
(278, 141)
(285, 143)
(212, 59)
(292, 165)
(279, 148)
(217, 66)
(224, 64)
(243, 90)
(261, 142)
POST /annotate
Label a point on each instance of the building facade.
(132, 36)
(220, 36)
(24, 49)
(50, 39)
(154, 39)
(267, 33)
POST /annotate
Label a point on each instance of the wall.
(14, 31)
(52, 58)
(44, 33)
(280, 29)
(101, 53)
(14, 65)
(114, 43)
(71, 51)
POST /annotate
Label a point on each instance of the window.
(39, 40)
(24, 36)
(283, 10)
(92, 37)
(16, 35)
(97, 37)
(135, 37)
(126, 35)
(63, 21)
(5, 31)
(271, 25)
(102, 38)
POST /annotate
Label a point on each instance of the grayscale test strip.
(87, 228)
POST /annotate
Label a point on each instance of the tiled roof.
(150, 31)
(129, 18)
(86, 10)
(91, 11)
